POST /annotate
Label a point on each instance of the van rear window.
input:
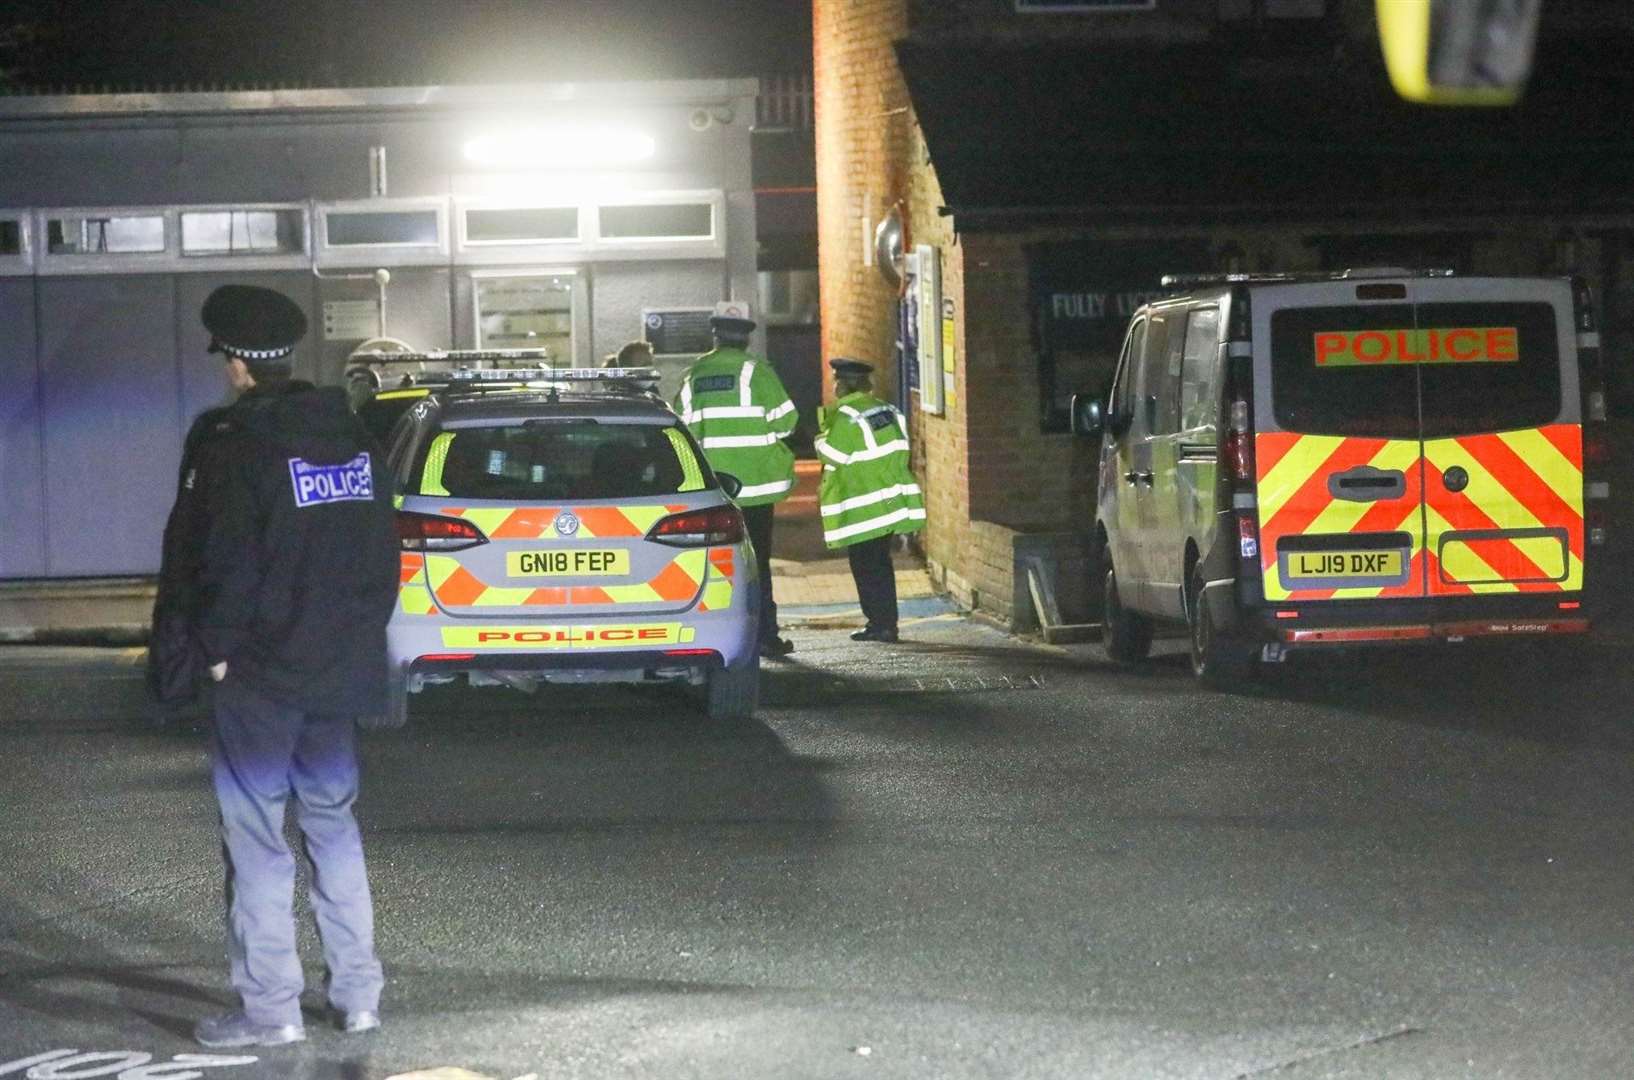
(1390, 371)
(549, 461)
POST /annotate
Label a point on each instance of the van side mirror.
(1458, 52)
(1088, 418)
(729, 484)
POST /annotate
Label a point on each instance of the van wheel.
(1218, 662)
(396, 714)
(733, 693)
(1126, 636)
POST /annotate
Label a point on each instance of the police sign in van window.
(1399, 371)
(1437, 345)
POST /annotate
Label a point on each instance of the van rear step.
(1450, 631)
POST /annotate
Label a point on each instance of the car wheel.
(396, 712)
(1126, 636)
(1219, 662)
(733, 693)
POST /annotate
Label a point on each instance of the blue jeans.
(263, 752)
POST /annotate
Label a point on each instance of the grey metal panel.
(22, 525)
(107, 167)
(514, 95)
(623, 289)
(417, 311)
(113, 425)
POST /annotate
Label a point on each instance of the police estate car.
(563, 526)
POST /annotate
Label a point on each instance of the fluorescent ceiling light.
(559, 147)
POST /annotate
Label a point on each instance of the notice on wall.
(678, 331)
(949, 366)
(927, 305)
(350, 320)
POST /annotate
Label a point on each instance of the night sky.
(134, 43)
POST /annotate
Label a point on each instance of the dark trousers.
(262, 753)
(876, 580)
(758, 519)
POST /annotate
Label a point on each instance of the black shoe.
(776, 648)
(886, 634)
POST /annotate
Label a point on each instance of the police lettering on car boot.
(868, 493)
(283, 564)
(735, 406)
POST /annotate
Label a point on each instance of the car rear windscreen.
(1377, 371)
(557, 460)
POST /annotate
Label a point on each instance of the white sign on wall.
(931, 398)
(350, 320)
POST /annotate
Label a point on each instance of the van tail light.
(699, 528)
(1239, 444)
(1596, 451)
(430, 532)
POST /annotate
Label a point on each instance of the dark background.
(54, 44)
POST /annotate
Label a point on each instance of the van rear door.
(1337, 450)
(1503, 443)
(1421, 437)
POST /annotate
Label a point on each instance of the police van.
(1366, 457)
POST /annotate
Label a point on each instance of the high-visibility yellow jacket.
(868, 490)
(735, 406)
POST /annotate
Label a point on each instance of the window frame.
(256, 260)
(488, 252)
(20, 263)
(631, 247)
(1210, 358)
(49, 264)
(578, 310)
(435, 253)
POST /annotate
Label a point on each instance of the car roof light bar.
(455, 356)
(551, 376)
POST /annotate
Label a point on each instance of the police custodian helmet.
(259, 326)
(848, 368)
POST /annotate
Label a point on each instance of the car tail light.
(429, 532)
(699, 528)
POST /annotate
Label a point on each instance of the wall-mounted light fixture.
(559, 147)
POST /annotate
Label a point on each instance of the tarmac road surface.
(962, 856)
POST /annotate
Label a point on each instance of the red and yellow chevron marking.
(1294, 501)
(1519, 481)
(1523, 480)
(718, 590)
(456, 587)
(413, 595)
(539, 523)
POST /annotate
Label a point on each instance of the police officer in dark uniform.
(281, 564)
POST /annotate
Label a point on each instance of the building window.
(375, 228)
(660, 221)
(526, 312)
(522, 225)
(242, 232)
(105, 234)
(11, 236)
